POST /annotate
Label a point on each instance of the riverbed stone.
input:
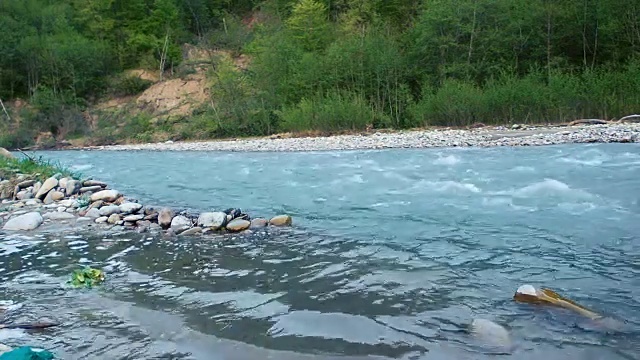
(109, 210)
(114, 219)
(89, 189)
(24, 195)
(26, 183)
(213, 220)
(193, 231)
(133, 218)
(93, 213)
(238, 225)
(63, 182)
(180, 223)
(33, 202)
(48, 199)
(259, 223)
(165, 216)
(281, 220)
(28, 221)
(130, 208)
(73, 187)
(36, 187)
(106, 195)
(56, 195)
(48, 185)
(152, 217)
(91, 183)
(69, 203)
(84, 220)
(58, 216)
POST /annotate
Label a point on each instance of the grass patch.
(39, 167)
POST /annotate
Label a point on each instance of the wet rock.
(192, 231)
(92, 183)
(48, 185)
(281, 220)
(180, 223)
(259, 223)
(106, 195)
(234, 213)
(28, 221)
(89, 189)
(130, 208)
(6, 153)
(165, 216)
(213, 220)
(238, 225)
(73, 187)
(114, 219)
(92, 213)
(133, 218)
(58, 216)
(109, 210)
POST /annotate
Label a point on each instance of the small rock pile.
(27, 203)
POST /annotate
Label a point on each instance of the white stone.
(133, 218)
(102, 220)
(130, 208)
(214, 220)
(527, 290)
(106, 195)
(27, 221)
(180, 223)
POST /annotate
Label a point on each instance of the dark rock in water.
(259, 223)
(281, 220)
(238, 225)
(233, 212)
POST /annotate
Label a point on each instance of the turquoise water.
(393, 253)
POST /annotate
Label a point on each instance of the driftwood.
(630, 117)
(589, 122)
(27, 155)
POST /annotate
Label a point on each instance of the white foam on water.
(526, 169)
(546, 187)
(447, 160)
(589, 162)
(450, 186)
(577, 208)
(81, 167)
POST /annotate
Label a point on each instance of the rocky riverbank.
(27, 203)
(517, 135)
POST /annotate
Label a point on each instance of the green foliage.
(309, 25)
(129, 85)
(38, 165)
(86, 277)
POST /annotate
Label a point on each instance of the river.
(392, 254)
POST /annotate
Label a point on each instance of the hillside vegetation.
(148, 70)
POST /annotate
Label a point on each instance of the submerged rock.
(28, 221)
(238, 225)
(259, 223)
(490, 334)
(213, 220)
(281, 220)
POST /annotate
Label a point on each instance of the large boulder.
(48, 185)
(106, 195)
(73, 187)
(212, 220)
(28, 221)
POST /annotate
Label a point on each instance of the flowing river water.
(392, 254)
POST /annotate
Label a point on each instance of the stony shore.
(517, 135)
(27, 203)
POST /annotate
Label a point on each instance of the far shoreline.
(444, 137)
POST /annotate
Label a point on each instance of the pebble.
(238, 225)
(483, 137)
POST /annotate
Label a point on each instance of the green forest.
(319, 65)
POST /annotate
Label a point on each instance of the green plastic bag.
(27, 353)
